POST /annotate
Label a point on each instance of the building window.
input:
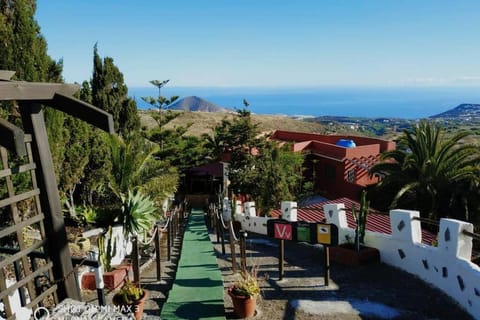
(351, 175)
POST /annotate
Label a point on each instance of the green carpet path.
(197, 292)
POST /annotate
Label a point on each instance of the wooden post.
(222, 238)
(157, 255)
(58, 251)
(243, 250)
(232, 249)
(217, 225)
(135, 262)
(177, 223)
(281, 258)
(326, 250)
(222, 234)
(169, 238)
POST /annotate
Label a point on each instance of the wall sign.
(280, 229)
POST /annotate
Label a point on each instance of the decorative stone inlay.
(401, 253)
(425, 264)
(477, 292)
(444, 272)
(469, 303)
(447, 235)
(330, 213)
(461, 284)
(436, 269)
(401, 225)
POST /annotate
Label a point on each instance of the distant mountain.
(463, 111)
(194, 103)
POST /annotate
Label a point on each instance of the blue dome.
(347, 143)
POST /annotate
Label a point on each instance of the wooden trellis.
(39, 271)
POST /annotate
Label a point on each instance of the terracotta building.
(338, 165)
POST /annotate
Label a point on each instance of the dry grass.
(204, 122)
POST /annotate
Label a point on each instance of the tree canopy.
(260, 168)
(432, 173)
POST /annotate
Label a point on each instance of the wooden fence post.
(243, 250)
(232, 249)
(158, 254)
(135, 262)
(169, 238)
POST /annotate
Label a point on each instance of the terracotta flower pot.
(243, 306)
(136, 308)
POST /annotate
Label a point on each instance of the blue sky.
(269, 43)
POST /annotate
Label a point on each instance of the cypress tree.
(110, 93)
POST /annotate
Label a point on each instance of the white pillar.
(289, 210)
(404, 227)
(238, 207)
(452, 241)
(250, 209)
(336, 214)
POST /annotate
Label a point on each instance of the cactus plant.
(360, 217)
(107, 251)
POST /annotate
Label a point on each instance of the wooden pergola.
(53, 277)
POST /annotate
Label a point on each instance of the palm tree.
(129, 160)
(430, 172)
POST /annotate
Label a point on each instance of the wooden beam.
(57, 244)
(6, 75)
(12, 138)
(82, 110)
(20, 90)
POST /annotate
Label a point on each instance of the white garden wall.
(446, 266)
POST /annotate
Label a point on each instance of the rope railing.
(151, 239)
(221, 219)
(166, 225)
(235, 238)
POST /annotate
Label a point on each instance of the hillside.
(194, 103)
(464, 111)
(203, 122)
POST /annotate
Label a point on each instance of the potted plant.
(130, 299)
(244, 293)
(356, 253)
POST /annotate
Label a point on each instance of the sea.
(367, 102)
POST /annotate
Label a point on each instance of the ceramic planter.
(243, 306)
(112, 279)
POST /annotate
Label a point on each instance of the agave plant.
(138, 212)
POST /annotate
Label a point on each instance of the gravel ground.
(375, 291)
